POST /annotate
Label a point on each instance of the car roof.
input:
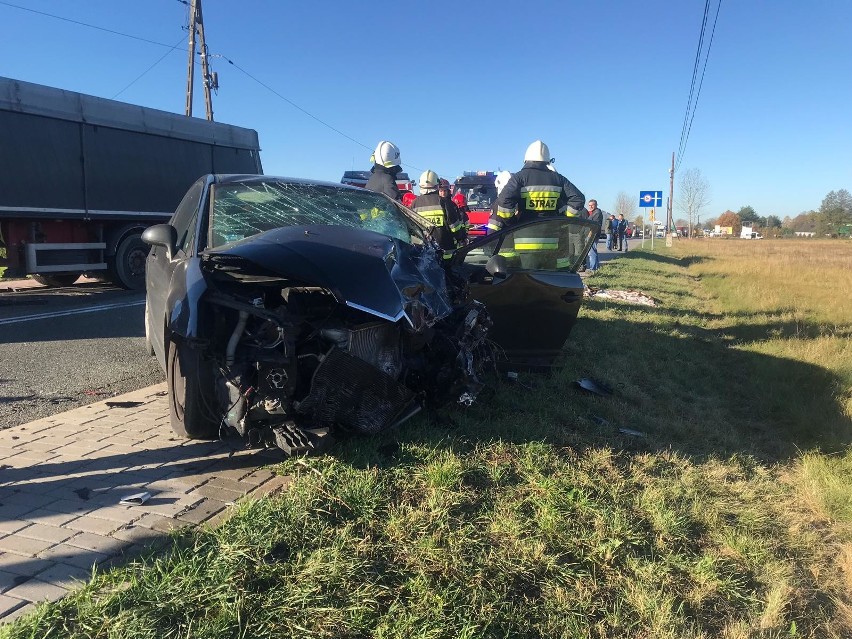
(237, 178)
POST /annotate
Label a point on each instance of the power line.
(139, 77)
(689, 116)
(86, 24)
(701, 83)
(694, 75)
(296, 106)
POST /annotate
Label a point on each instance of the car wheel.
(190, 393)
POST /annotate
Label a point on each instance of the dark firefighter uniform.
(383, 180)
(535, 192)
(444, 214)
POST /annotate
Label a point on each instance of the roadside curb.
(62, 477)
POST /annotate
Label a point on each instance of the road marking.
(74, 311)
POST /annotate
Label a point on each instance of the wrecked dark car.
(283, 309)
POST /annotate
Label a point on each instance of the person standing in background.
(595, 215)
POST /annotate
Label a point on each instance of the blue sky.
(467, 86)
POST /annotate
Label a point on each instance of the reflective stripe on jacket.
(444, 215)
(536, 191)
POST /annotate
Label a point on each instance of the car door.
(534, 301)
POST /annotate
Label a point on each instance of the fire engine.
(479, 192)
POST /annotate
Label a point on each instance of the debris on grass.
(629, 296)
(595, 386)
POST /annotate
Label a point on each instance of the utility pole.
(205, 69)
(210, 80)
(190, 71)
(671, 197)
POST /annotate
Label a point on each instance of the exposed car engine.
(292, 363)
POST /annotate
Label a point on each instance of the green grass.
(530, 515)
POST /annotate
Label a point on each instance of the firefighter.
(458, 229)
(500, 183)
(536, 191)
(447, 222)
(386, 166)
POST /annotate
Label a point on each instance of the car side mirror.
(161, 235)
(497, 266)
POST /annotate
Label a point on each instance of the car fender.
(187, 287)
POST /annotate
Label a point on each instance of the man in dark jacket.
(595, 215)
(621, 232)
(446, 220)
(610, 227)
(386, 166)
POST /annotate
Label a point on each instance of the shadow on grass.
(698, 397)
(688, 260)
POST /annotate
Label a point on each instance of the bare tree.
(624, 204)
(694, 194)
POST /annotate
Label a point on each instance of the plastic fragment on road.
(136, 499)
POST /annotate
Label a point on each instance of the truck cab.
(479, 192)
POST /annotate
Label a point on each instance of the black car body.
(281, 309)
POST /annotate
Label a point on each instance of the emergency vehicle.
(359, 178)
(479, 193)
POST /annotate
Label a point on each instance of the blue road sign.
(650, 198)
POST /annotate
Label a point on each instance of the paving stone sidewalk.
(62, 477)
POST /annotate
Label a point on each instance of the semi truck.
(81, 177)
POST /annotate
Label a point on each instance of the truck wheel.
(190, 393)
(128, 267)
(56, 279)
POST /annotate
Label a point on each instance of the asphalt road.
(62, 348)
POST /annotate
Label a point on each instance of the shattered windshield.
(243, 209)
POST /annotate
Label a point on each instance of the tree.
(729, 218)
(695, 194)
(773, 222)
(625, 205)
(747, 214)
(834, 212)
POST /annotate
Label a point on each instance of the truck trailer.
(81, 177)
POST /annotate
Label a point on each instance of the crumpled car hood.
(375, 273)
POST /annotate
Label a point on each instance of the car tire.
(190, 393)
(56, 280)
(127, 268)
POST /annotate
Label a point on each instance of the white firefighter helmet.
(386, 154)
(537, 152)
(501, 180)
(428, 181)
